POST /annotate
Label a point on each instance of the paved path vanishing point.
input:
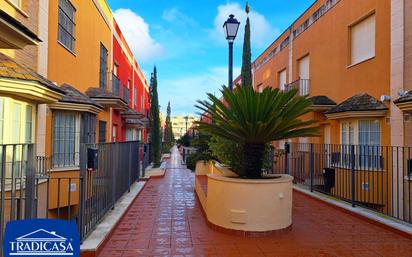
(166, 220)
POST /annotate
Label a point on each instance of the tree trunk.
(253, 160)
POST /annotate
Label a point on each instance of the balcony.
(302, 85)
(115, 85)
(126, 94)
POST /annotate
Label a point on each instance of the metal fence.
(117, 168)
(374, 177)
(29, 187)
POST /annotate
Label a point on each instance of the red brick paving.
(166, 220)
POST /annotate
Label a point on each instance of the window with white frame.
(365, 134)
(66, 138)
(66, 24)
(260, 88)
(363, 40)
(16, 121)
(282, 79)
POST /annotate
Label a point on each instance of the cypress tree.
(154, 120)
(169, 138)
(246, 73)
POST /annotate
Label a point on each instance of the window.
(363, 40)
(66, 24)
(115, 69)
(304, 76)
(347, 133)
(16, 121)
(369, 132)
(103, 66)
(114, 133)
(369, 141)
(134, 97)
(66, 131)
(29, 125)
(1, 120)
(282, 79)
(88, 128)
(366, 136)
(102, 131)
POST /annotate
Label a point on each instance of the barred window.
(103, 66)
(66, 131)
(88, 128)
(66, 24)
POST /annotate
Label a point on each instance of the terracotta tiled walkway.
(166, 220)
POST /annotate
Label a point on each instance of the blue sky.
(185, 40)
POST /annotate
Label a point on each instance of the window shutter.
(363, 40)
(282, 79)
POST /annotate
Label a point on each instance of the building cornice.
(405, 106)
(356, 114)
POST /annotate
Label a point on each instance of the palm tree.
(254, 119)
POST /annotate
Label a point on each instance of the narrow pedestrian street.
(166, 220)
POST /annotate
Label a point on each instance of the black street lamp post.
(186, 118)
(231, 27)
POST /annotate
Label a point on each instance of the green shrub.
(193, 158)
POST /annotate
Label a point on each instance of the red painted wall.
(129, 70)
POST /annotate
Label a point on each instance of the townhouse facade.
(181, 124)
(67, 78)
(352, 58)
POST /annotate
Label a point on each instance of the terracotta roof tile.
(405, 98)
(360, 102)
(75, 96)
(12, 70)
(322, 100)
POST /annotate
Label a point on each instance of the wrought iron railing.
(126, 94)
(30, 189)
(115, 85)
(302, 85)
(374, 177)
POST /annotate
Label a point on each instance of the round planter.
(203, 167)
(249, 205)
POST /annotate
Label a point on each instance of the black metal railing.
(29, 187)
(115, 85)
(374, 177)
(126, 94)
(117, 169)
(302, 85)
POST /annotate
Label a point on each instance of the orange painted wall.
(327, 42)
(79, 68)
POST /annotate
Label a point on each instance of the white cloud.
(262, 32)
(175, 16)
(183, 92)
(137, 34)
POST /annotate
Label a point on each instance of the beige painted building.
(181, 124)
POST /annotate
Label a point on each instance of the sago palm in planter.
(254, 119)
